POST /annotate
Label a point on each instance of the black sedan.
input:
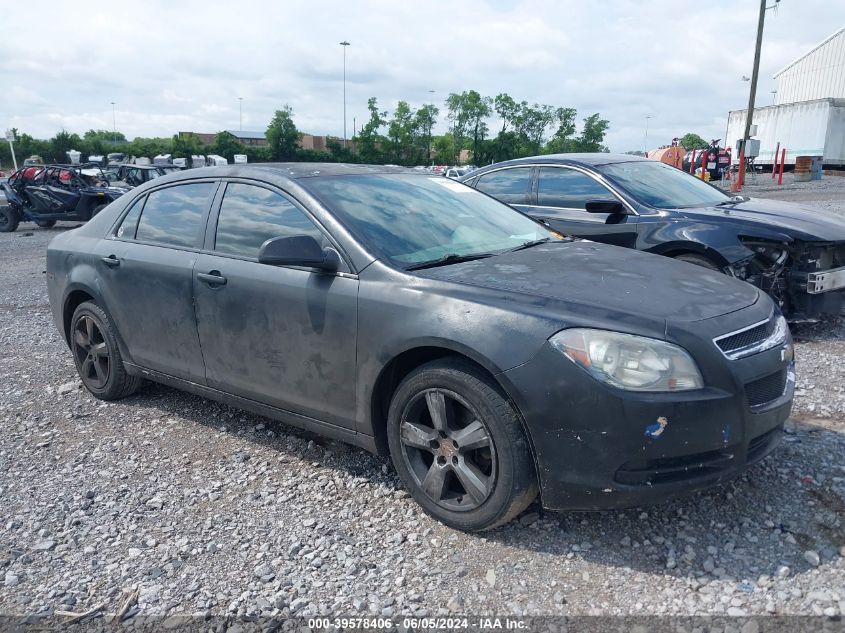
(414, 316)
(794, 253)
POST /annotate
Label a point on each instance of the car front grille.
(753, 339)
(766, 389)
(746, 338)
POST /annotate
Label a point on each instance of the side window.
(508, 185)
(567, 188)
(129, 225)
(173, 215)
(250, 215)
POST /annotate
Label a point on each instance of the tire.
(97, 209)
(698, 260)
(97, 356)
(501, 475)
(9, 220)
(46, 224)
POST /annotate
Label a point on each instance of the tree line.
(402, 137)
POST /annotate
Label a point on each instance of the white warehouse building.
(808, 117)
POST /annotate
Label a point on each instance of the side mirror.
(613, 207)
(298, 250)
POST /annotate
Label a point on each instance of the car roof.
(294, 171)
(586, 159)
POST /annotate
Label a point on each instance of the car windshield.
(411, 219)
(662, 186)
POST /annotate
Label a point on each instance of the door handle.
(111, 261)
(213, 279)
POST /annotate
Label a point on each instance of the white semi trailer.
(805, 128)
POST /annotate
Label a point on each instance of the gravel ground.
(204, 509)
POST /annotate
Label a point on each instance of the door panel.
(149, 296)
(282, 336)
(560, 202)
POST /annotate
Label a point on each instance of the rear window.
(172, 216)
(508, 185)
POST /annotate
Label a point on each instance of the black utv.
(45, 194)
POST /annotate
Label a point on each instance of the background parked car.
(794, 253)
(136, 175)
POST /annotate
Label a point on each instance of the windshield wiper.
(451, 258)
(528, 244)
(732, 201)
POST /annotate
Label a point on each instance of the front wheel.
(459, 447)
(9, 220)
(97, 356)
(46, 224)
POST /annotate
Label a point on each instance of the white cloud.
(173, 66)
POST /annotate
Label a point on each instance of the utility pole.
(113, 125)
(645, 142)
(749, 115)
(240, 114)
(344, 43)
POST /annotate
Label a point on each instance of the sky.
(181, 66)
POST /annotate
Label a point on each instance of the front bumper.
(599, 448)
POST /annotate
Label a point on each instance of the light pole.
(344, 43)
(645, 142)
(113, 124)
(240, 114)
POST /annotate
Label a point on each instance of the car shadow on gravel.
(767, 519)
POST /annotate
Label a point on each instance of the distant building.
(817, 74)
(205, 139)
(245, 138)
(249, 138)
(808, 117)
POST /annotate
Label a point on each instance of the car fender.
(84, 278)
(720, 242)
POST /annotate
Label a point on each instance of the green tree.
(561, 140)
(531, 125)
(401, 135)
(467, 112)
(444, 149)
(61, 144)
(592, 134)
(690, 140)
(424, 121)
(282, 135)
(369, 140)
(507, 109)
(227, 145)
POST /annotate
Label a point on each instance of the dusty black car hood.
(619, 280)
(795, 220)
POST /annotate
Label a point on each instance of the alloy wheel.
(448, 450)
(92, 352)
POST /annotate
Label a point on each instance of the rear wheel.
(459, 447)
(698, 260)
(97, 356)
(46, 224)
(8, 220)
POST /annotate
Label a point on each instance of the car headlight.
(629, 362)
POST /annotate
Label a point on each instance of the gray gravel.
(202, 508)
